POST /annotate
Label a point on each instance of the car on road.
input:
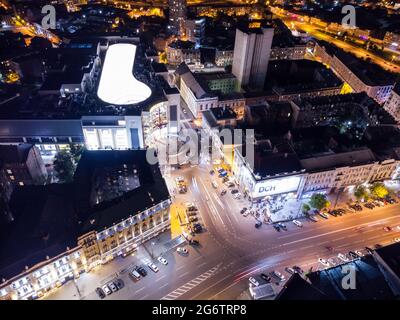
(379, 203)
(298, 269)
(179, 180)
(243, 210)
(278, 275)
(223, 192)
(229, 184)
(351, 209)
(100, 293)
(212, 172)
(369, 205)
(276, 227)
(343, 257)
(112, 286)
(282, 226)
(265, 277)
(142, 271)
(324, 215)
(162, 260)
(193, 219)
(214, 184)
(192, 213)
(246, 213)
(152, 267)
(387, 229)
(106, 289)
(396, 239)
(323, 262)
(234, 191)
(353, 255)
(258, 224)
(290, 270)
(254, 282)
(297, 223)
(182, 250)
(190, 206)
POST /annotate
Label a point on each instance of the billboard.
(276, 186)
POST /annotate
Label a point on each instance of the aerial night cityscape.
(199, 150)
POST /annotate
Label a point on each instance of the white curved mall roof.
(117, 83)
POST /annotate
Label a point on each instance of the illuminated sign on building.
(276, 186)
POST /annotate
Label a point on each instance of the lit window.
(9, 171)
(21, 183)
(12, 177)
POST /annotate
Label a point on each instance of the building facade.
(392, 105)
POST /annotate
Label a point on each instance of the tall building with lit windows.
(251, 55)
(177, 16)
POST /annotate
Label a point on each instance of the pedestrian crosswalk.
(191, 284)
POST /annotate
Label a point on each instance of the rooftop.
(14, 153)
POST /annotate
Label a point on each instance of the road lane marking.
(142, 288)
(191, 284)
(183, 274)
(158, 279)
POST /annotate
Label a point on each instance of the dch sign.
(276, 186)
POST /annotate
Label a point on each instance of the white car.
(237, 195)
(278, 275)
(398, 228)
(179, 180)
(214, 184)
(323, 262)
(324, 215)
(396, 239)
(254, 281)
(189, 204)
(106, 289)
(112, 286)
(182, 250)
(342, 257)
(360, 254)
(162, 260)
(297, 223)
(153, 267)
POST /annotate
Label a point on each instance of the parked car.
(112, 286)
(265, 277)
(182, 250)
(243, 210)
(324, 215)
(142, 271)
(212, 172)
(278, 275)
(119, 283)
(323, 262)
(282, 226)
(194, 242)
(353, 255)
(258, 224)
(229, 184)
(343, 257)
(313, 218)
(254, 282)
(246, 213)
(214, 184)
(100, 293)
(134, 274)
(298, 269)
(359, 253)
(193, 219)
(237, 195)
(225, 179)
(297, 223)
(276, 227)
(387, 229)
(192, 213)
(152, 267)
(106, 289)
(290, 270)
(396, 239)
(234, 191)
(162, 260)
(223, 192)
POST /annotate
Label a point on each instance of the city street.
(232, 249)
